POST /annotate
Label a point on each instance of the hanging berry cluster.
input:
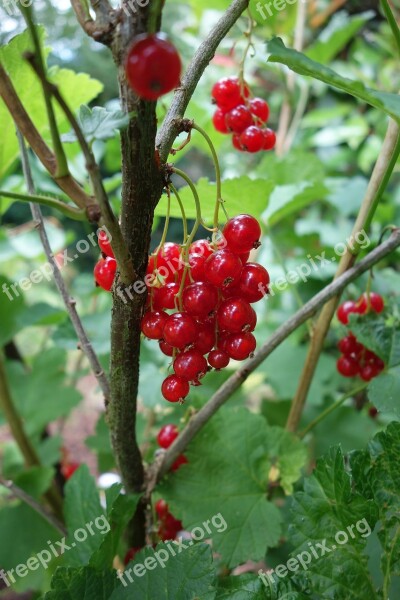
(356, 359)
(241, 115)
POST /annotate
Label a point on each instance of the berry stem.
(166, 224)
(182, 209)
(70, 211)
(392, 22)
(248, 35)
(332, 408)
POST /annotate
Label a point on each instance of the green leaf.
(82, 584)
(98, 123)
(372, 331)
(384, 392)
(298, 62)
(11, 308)
(249, 522)
(189, 574)
(101, 444)
(82, 506)
(250, 587)
(35, 481)
(237, 193)
(289, 455)
(292, 198)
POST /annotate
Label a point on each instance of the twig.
(392, 22)
(199, 62)
(103, 27)
(378, 182)
(197, 422)
(41, 510)
(69, 302)
(70, 211)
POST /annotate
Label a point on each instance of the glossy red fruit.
(235, 315)
(68, 469)
(240, 346)
(237, 143)
(269, 139)
(219, 121)
(164, 297)
(223, 268)
(174, 388)
(253, 283)
(205, 340)
(260, 109)
(368, 372)
(201, 248)
(218, 359)
(104, 272)
(227, 93)
(242, 233)
(161, 508)
(153, 66)
(200, 299)
(153, 323)
(130, 555)
(238, 119)
(376, 302)
(180, 330)
(347, 366)
(349, 345)
(344, 310)
(190, 365)
(197, 264)
(181, 460)
(252, 139)
(166, 262)
(167, 435)
(104, 243)
(166, 348)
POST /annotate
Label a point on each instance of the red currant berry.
(153, 66)
(166, 262)
(153, 323)
(373, 412)
(242, 233)
(180, 330)
(105, 244)
(349, 345)
(347, 366)
(181, 460)
(197, 263)
(223, 268)
(174, 388)
(161, 508)
(205, 340)
(201, 248)
(238, 119)
(190, 365)
(376, 302)
(104, 272)
(235, 315)
(344, 310)
(368, 372)
(252, 139)
(219, 121)
(237, 143)
(260, 109)
(130, 555)
(269, 139)
(227, 93)
(218, 359)
(166, 348)
(200, 299)
(240, 346)
(253, 283)
(164, 297)
(167, 435)
(68, 469)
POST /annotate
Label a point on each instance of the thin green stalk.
(392, 22)
(332, 408)
(70, 211)
(182, 209)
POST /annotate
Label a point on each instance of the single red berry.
(240, 346)
(180, 330)
(347, 366)
(373, 412)
(166, 262)
(153, 323)
(218, 359)
(237, 143)
(344, 310)
(166, 348)
(260, 109)
(105, 244)
(223, 337)
(161, 508)
(201, 248)
(238, 119)
(68, 469)
(197, 269)
(167, 435)
(153, 66)
(242, 233)
(349, 345)
(200, 299)
(253, 283)
(190, 365)
(174, 388)
(269, 139)
(164, 297)
(235, 315)
(181, 460)
(219, 121)
(374, 301)
(368, 372)
(227, 93)
(130, 555)
(252, 139)
(205, 340)
(223, 268)
(104, 272)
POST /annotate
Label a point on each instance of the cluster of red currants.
(212, 296)
(241, 115)
(356, 359)
(166, 436)
(106, 267)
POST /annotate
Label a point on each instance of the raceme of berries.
(243, 116)
(153, 66)
(356, 359)
(166, 436)
(199, 305)
(168, 526)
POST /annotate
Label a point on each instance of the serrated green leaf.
(292, 198)
(384, 392)
(196, 493)
(298, 62)
(82, 584)
(98, 123)
(35, 481)
(289, 455)
(372, 331)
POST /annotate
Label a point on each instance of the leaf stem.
(392, 22)
(70, 211)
